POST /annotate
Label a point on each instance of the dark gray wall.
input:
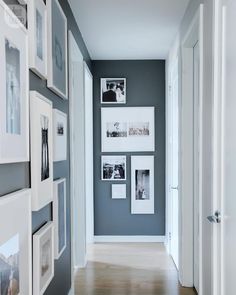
(145, 87)
(17, 176)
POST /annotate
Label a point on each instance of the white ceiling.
(128, 29)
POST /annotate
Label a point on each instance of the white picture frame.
(128, 129)
(59, 136)
(15, 240)
(57, 61)
(142, 185)
(37, 29)
(113, 90)
(41, 139)
(43, 258)
(118, 191)
(113, 168)
(59, 217)
(14, 102)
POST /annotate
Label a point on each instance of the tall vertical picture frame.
(59, 136)
(57, 49)
(14, 85)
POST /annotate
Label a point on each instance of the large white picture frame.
(142, 184)
(41, 127)
(37, 28)
(14, 85)
(57, 49)
(15, 242)
(128, 129)
(59, 136)
(43, 258)
(59, 216)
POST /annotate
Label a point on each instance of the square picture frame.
(37, 29)
(43, 258)
(59, 136)
(118, 191)
(142, 185)
(14, 85)
(113, 91)
(15, 242)
(59, 216)
(113, 168)
(57, 49)
(41, 139)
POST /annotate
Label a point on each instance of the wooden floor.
(129, 269)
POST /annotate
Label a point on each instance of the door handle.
(215, 218)
(174, 187)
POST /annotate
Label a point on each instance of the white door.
(174, 238)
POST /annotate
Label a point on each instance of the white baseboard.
(129, 239)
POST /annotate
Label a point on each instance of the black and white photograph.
(60, 129)
(113, 90)
(142, 181)
(45, 148)
(113, 167)
(59, 136)
(9, 267)
(117, 129)
(13, 103)
(139, 129)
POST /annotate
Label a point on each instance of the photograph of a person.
(60, 129)
(113, 167)
(44, 148)
(9, 267)
(116, 129)
(113, 90)
(13, 103)
(139, 129)
(142, 184)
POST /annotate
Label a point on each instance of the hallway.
(129, 269)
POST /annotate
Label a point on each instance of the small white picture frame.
(113, 168)
(142, 185)
(118, 191)
(43, 258)
(41, 139)
(59, 216)
(59, 136)
(113, 90)
(37, 28)
(16, 240)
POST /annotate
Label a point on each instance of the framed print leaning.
(59, 136)
(37, 28)
(14, 85)
(57, 49)
(15, 243)
(142, 184)
(43, 258)
(41, 150)
(113, 90)
(129, 129)
(59, 216)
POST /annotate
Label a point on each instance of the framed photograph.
(128, 129)
(15, 244)
(113, 168)
(14, 85)
(118, 191)
(113, 90)
(43, 258)
(41, 150)
(59, 136)
(142, 184)
(37, 28)
(59, 216)
(57, 49)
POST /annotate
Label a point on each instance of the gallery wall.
(17, 176)
(145, 87)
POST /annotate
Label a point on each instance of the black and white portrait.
(139, 129)
(113, 90)
(44, 148)
(13, 91)
(114, 167)
(39, 35)
(60, 129)
(142, 183)
(116, 129)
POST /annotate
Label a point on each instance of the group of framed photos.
(31, 130)
(127, 129)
